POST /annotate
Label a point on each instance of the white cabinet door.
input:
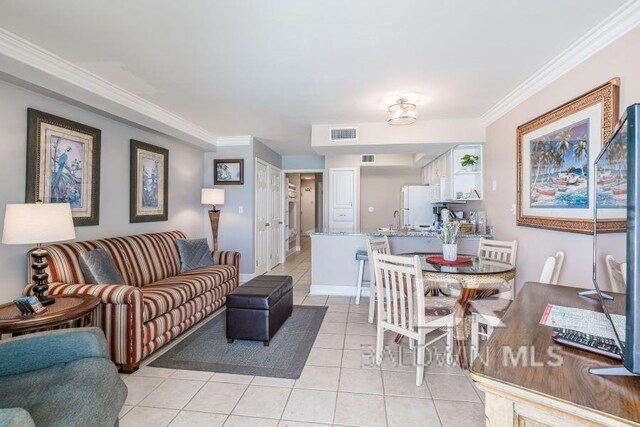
(262, 217)
(275, 217)
(342, 203)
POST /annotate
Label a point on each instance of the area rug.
(207, 348)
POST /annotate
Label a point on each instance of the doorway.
(303, 207)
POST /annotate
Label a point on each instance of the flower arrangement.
(449, 232)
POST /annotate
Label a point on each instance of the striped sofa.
(157, 302)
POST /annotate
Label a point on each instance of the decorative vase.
(450, 251)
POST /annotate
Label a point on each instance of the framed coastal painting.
(149, 183)
(556, 152)
(228, 172)
(63, 165)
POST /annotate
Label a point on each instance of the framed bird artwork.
(63, 165)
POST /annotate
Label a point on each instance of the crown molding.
(234, 141)
(616, 25)
(46, 62)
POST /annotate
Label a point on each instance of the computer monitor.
(617, 194)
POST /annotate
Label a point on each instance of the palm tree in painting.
(563, 145)
(580, 150)
(539, 158)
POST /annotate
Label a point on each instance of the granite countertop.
(395, 233)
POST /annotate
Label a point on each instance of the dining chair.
(501, 251)
(403, 308)
(487, 313)
(617, 274)
(377, 245)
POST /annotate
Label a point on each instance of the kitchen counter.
(334, 269)
(395, 233)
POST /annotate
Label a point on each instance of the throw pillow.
(194, 254)
(99, 268)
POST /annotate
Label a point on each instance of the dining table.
(476, 278)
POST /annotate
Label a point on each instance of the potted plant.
(449, 237)
(469, 161)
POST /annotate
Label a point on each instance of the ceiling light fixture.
(402, 113)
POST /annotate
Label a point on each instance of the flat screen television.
(617, 194)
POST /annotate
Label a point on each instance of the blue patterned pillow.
(194, 254)
(99, 268)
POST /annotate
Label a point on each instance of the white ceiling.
(271, 68)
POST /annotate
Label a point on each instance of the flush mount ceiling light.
(402, 113)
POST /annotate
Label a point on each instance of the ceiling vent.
(343, 134)
(368, 158)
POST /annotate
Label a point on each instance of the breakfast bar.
(334, 268)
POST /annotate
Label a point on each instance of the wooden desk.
(521, 394)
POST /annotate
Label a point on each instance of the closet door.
(276, 220)
(342, 206)
(262, 217)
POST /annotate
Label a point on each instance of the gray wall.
(185, 178)
(302, 162)
(236, 230)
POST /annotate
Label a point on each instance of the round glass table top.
(476, 266)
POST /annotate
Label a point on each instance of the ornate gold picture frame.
(556, 152)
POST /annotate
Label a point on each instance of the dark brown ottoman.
(257, 309)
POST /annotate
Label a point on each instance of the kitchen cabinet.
(450, 180)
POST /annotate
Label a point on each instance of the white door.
(276, 220)
(262, 217)
(307, 205)
(342, 203)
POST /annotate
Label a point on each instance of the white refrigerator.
(416, 208)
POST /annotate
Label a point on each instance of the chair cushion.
(261, 293)
(99, 268)
(163, 296)
(87, 392)
(194, 254)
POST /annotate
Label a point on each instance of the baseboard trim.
(245, 277)
(345, 291)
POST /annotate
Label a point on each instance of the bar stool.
(361, 257)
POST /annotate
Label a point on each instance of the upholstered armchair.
(59, 378)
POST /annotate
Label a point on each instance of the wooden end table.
(68, 311)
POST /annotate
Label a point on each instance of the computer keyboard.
(592, 343)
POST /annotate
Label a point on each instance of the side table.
(69, 311)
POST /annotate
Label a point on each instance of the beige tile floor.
(338, 386)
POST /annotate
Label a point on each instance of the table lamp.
(38, 223)
(213, 196)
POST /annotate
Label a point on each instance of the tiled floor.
(338, 385)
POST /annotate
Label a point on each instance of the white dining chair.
(501, 251)
(617, 274)
(381, 245)
(403, 308)
(487, 313)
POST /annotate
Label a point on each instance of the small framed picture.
(228, 172)
(149, 183)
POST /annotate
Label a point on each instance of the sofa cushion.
(152, 257)
(99, 268)
(194, 254)
(87, 392)
(164, 295)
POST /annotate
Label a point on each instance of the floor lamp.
(213, 196)
(38, 223)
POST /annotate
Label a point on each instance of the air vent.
(368, 158)
(344, 134)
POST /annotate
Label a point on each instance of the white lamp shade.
(212, 196)
(33, 223)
